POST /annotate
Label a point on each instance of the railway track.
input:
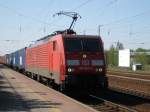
(102, 104)
(107, 106)
(112, 101)
(140, 94)
(130, 74)
(130, 83)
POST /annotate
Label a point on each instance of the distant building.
(126, 57)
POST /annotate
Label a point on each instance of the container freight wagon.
(15, 57)
(9, 60)
(21, 59)
(2, 59)
(68, 60)
(16, 60)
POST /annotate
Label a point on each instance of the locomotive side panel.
(31, 55)
(42, 60)
(57, 66)
(45, 59)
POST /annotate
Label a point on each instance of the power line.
(49, 5)
(35, 19)
(25, 16)
(111, 3)
(126, 18)
(82, 4)
(107, 5)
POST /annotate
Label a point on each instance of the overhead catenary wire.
(36, 19)
(108, 5)
(23, 15)
(82, 4)
(122, 19)
(49, 6)
(127, 18)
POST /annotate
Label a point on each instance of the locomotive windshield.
(82, 45)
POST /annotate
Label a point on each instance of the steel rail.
(108, 106)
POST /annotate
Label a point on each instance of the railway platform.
(18, 93)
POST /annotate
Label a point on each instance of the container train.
(64, 60)
(2, 60)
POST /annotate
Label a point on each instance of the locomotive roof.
(48, 37)
(81, 36)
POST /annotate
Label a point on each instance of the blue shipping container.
(21, 59)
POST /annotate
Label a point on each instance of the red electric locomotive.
(68, 60)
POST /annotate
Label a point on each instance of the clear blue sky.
(23, 21)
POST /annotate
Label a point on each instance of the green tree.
(141, 58)
(141, 50)
(119, 46)
(112, 56)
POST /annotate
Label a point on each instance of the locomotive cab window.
(73, 45)
(91, 45)
(82, 45)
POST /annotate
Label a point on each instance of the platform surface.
(18, 93)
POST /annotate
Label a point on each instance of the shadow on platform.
(10, 100)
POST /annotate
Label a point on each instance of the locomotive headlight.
(70, 69)
(99, 69)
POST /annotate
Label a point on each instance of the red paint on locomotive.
(64, 58)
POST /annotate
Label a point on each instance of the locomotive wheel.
(62, 87)
(39, 78)
(104, 83)
(35, 76)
